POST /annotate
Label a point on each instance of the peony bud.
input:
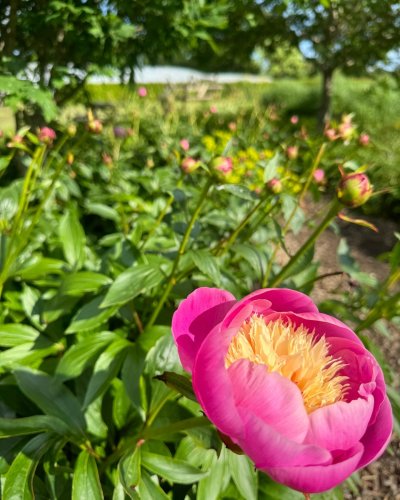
(46, 135)
(294, 120)
(184, 144)
(95, 126)
(330, 134)
(292, 152)
(363, 139)
(319, 176)
(222, 164)
(71, 130)
(70, 158)
(189, 165)
(274, 186)
(142, 92)
(354, 189)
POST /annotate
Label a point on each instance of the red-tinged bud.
(222, 164)
(292, 152)
(46, 135)
(184, 144)
(107, 159)
(354, 190)
(274, 186)
(189, 165)
(294, 120)
(363, 139)
(95, 126)
(330, 134)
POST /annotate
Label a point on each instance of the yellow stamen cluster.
(293, 352)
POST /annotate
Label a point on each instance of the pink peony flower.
(294, 120)
(319, 176)
(184, 144)
(363, 139)
(294, 388)
(142, 92)
(222, 164)
(47, 135)
(292, 152)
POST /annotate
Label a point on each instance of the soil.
(381, 479)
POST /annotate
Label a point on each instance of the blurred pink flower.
(274, 185)
(293, 388)
(292, 152)
(363, 139)
(213, 109)
(330, 134)
(184, 144)
(222, 164)
(232, 126)
(319, 176)
(142, 92)
(189, 165)
(95, 126)
(46, 135)
(294, 120)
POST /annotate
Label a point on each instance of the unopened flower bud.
(189, 165)
(120, 132)
(292, 152)
(354, 190)
(294, 120)
(319, 176)
(71, 130)
(70, 158)
(142, 92)
(95, 126)
(46, 135)
(274, 185)
(330, 134)
(363, 139)
(107, 159)
(222, 164)
(184, 144)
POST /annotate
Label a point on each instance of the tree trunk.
(324, 114)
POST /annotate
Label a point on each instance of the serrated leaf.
(173, 470)
(91, 315)
(105, 369)
(79, 283)
(85, 481)
(131, 283)
(52, 397)
(72, 237)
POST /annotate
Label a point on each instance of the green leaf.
(79, 283)
(241, 192)
(52, 397)
(210, 487)
(103, 211)
(271, 167)
(244, 475)
(105, 369)
(131, 283)
(38, 267)
(19, 478)
(179, 383)
(72, 237)
(149, 490)
(30, 425)
(15, 334)
(80, 355)
(173, 470)
(253, 256)
(91, 316)
(86, 482)
(129, 470)
(207, 265)
(132, 370)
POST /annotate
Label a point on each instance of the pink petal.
(272, 398)
(195, 317)
(267, 448)
(323, 324)
(378, 435)
(281, 299)
(341, 425)
(212, 384)
(318, 478)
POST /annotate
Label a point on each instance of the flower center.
(293, 352)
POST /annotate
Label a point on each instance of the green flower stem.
(181, 251)
(294, 211)
(161, 216)
(332, 213)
